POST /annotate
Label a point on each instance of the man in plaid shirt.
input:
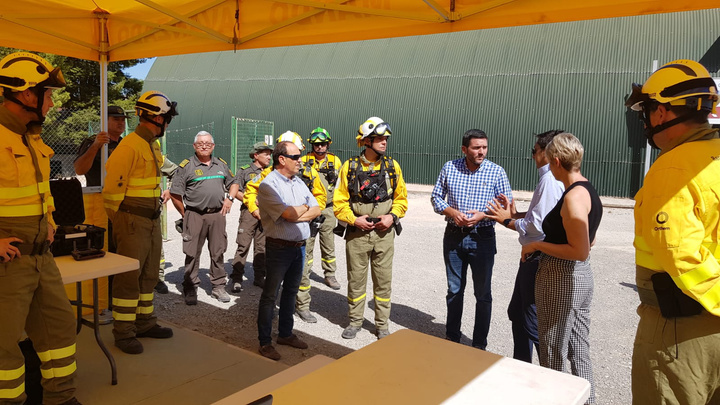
(462, 192)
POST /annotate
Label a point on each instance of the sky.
(141, 70)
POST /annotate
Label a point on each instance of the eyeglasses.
(293, 157)
(204, 145)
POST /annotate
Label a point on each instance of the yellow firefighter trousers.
(139, 238)
(377, 248)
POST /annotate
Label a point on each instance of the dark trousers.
(475, 249)
(284, 266)
(522, 312)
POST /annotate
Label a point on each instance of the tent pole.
(103, 93)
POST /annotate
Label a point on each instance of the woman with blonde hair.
(564, 281)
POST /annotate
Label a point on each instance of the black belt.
(204, 211)
(140, 211)
(33, 248)
(283, 242)
(460, 229)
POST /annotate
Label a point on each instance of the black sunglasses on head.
(293, 157)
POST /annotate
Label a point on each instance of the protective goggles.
(382, 129)
(319, 137)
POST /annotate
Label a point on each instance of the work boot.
(161, 287)
(235, 287)
(381, 333)
(269, 352)
(350, 332)
(156, 332)
(332, 282)
(71, 401)
(293, 341)
(260, 282)
(190, 295)
(129, 345)
(306, 315)
(221, 294)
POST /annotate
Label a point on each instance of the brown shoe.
(269, 352)
(306, 315)
(332, 282)
(293, 341)
(129, 345)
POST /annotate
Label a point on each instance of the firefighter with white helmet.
(309, 176)
(132, 197)
(32, 296)
(676, 240)
(370, 197)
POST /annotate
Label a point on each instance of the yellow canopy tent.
(110, 30)
(126, 29)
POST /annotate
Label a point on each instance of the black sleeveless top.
(553, 225)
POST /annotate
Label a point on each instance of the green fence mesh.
(245, 132)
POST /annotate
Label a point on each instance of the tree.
(83, 80)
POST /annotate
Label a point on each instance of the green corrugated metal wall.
(510, 82)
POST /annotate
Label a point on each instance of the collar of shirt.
(543, 170)
(11, 121)
(144, 133)
(196, 162)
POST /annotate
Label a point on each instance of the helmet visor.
(56, 80)
(637, 98)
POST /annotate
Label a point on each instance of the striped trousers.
(563, 294)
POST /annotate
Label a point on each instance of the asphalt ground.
(418, 297)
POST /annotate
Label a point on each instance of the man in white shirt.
(528, 224)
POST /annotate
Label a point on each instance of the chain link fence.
(178, 143)
(245, 132)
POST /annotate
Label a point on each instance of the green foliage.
(78, 104)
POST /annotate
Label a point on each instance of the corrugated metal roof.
(510, 82)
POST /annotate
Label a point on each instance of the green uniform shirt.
(202, 186)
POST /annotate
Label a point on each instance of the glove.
(179, 225)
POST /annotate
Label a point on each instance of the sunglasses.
(320, 144)
(292, 157)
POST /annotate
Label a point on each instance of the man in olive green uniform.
(32, 296)
(202, 191)
(132, 200)
(370, 197)
(250, 229)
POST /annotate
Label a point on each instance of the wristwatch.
(231, 198)
(507, 221)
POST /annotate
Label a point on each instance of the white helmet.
(293, 137)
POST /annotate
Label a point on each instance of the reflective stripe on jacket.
(21, 195)
(132, 173)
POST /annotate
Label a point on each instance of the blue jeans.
(284, 265)
(522, 312)
(476, 249)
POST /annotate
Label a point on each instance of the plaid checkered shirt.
(466, 190)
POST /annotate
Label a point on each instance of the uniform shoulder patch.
(243, 167)
(222, 160)
(184, 163)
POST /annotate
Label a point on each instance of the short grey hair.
(568, 149)
(203, 133)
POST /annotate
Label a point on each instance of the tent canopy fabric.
(127, 29)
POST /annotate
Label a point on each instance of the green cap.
(259, 147)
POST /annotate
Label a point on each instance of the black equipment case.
(72, 236)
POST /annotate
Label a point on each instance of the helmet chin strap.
(36, 110)
(651, 131)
